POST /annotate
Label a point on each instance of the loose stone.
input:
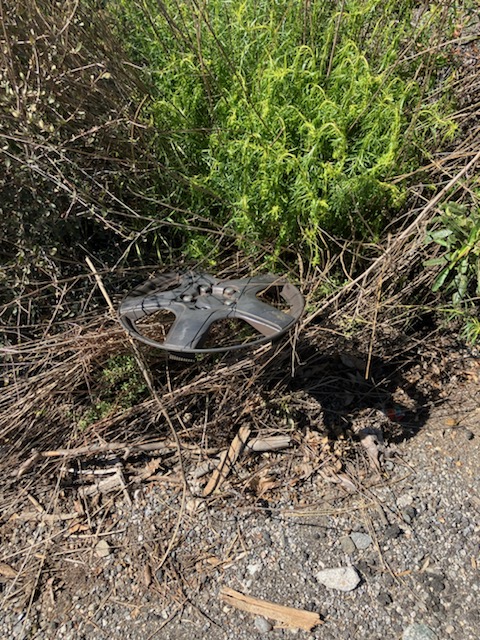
(347, 545)
(262, 625)
(404, 501)
(418, 632)
(384, 598)
(361, 540)
(393, 531)
(341, 578)
(437, 584)
(409, 514)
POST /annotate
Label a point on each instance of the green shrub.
(280, 119)
(456, 232)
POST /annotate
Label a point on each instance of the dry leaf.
(263, 481)
(7, 571)
(78, 506)
(341, 479)
(150, 468)
(213, 561)
(147, 575)
(346, 483)
(303, 470)
(370, 444)
(102, 549)
(78, 528)
(266, 483)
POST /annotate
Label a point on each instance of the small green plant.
(120, 385)
(471, 330)
(457, 231)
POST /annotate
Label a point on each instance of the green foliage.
(120, 385)
(471, 330)
(281, 119)
(457, 231)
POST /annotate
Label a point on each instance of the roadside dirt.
(383, 479)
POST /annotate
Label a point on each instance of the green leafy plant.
(457, 231)
(280, 120)
(120, 385)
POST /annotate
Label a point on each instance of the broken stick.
(287, 616)
(227, 460)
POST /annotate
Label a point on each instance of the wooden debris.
(227, 460)
(147, 575)
(256, 445)
(35, 503)
(29, 516)
(288, 616)
(28, 464)
(205, 467)
(160, 447)
(112, 483)
(149, 470)
(273, 443)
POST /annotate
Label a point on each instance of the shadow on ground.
(347, 387)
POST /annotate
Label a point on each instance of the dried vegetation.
(367, 360)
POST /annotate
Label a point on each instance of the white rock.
(418, 632)
(254, 568)
(262, 625)
(404, 501)
(342, 578)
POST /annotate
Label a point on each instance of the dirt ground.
(382, 480)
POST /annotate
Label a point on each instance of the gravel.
(361, 540)
(413, 579)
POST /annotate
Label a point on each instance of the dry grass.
(351, 360)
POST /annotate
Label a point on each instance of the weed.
(457, 231)
(119, 385)
(471, 330)
(282, 119)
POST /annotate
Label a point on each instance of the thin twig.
(149, 382)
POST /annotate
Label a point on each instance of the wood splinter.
(289, 617)
(227, 460)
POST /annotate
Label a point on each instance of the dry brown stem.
(227, 460)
